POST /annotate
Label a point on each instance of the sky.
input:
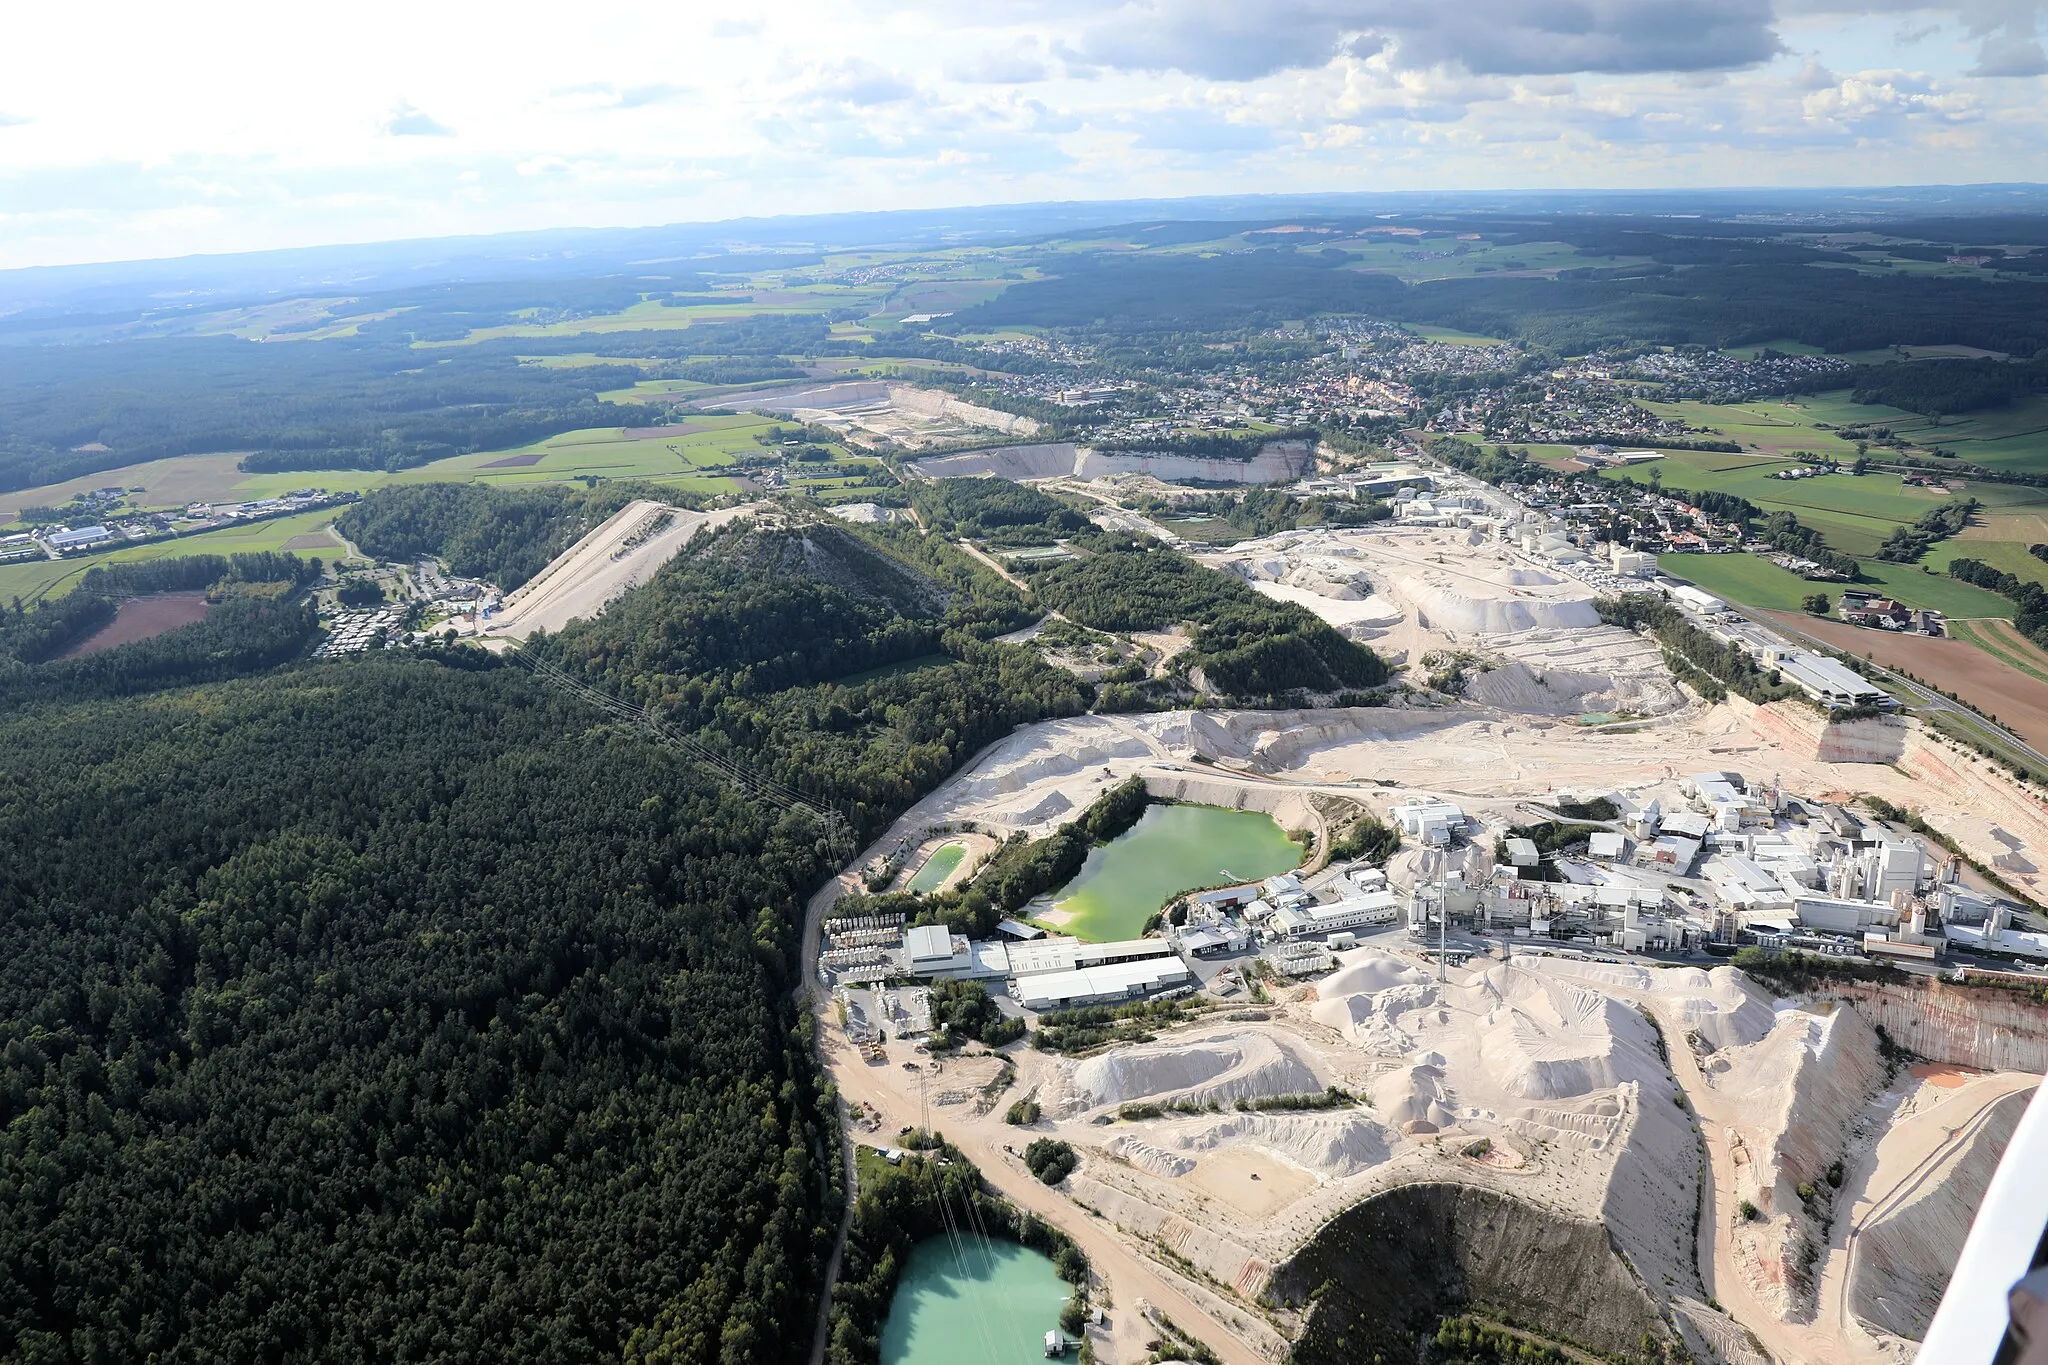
(146, 130)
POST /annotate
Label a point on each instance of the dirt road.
(897, 1096)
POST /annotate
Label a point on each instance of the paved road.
(1921, 697)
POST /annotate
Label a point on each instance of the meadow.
(1758, 583)
(2014, 437)
(1854, 512)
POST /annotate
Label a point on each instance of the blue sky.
(130, 130)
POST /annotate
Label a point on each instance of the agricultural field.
(41, 578)
(1854, 512)
(1758, 583)
(661, 453)
(2015, 437)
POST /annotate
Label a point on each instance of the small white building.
(1697, 599)
(1433, 822)
(1353, 912)
(1523, 853)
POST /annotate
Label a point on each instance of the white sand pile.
(1366, 610)
(1146, 1157)
(1462, 604)
(1366, 997)
(1330, 1144)
(1369, 969)
(1517, 686)
(1549, 1040)
(1720, 1004)
(1222, 1068)
(1414, 1098)
(1374, 1019)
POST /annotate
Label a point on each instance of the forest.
(1246, 645)
(396, 1009)
(390, 1011)
(990, 507)
(313, 405)
(1718, 294)
(505, 535)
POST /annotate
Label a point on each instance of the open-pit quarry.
(874, 412)
(1274, 462)
(1519, 634)
(1608, 1149)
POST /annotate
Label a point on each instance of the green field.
(1758, 583)
(2007, 556)
(599, 452)
(606, 452)
(1854, 512)
(39, 578)
(1999, 438)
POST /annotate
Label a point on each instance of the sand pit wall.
(1047, 460)
(1276, 462)
(1905, 1256)
(1837, 1073)
(1273, 740)
(1805, 732)
(1653, 1195)
(1289, 809)
(1209, 1250)
(1979, 1027)
(1379, 1275)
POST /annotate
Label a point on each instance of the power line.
(746, 781)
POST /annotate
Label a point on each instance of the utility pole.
(1443, 911)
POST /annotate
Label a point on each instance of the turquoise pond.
(981, 1301)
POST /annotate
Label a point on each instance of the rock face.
(1877, 739)
(1276, 462)
(1380, 1274)
(1979, 1027)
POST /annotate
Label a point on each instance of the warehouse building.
(1116, 983)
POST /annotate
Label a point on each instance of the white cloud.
(406, 121)
(200, 131)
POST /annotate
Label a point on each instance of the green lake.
(1170, 850)
(938, 867)
(993, 1301)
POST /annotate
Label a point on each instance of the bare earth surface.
(139, 618)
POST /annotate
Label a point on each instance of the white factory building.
(1353, 912)
(1108, 984)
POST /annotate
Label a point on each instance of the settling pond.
(938, 867)
(1170, 850)
(993, 1302)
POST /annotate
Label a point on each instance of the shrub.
(1050, 1160)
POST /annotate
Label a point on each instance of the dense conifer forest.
(398, 1009)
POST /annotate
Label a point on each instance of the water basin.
(1170, 850)
(980, 1300)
